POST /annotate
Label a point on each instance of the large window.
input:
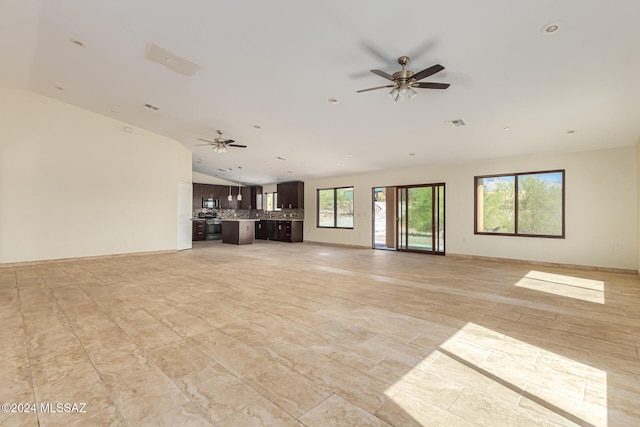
(521, 204)
(335, 207)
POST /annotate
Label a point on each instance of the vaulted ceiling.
(264, 72)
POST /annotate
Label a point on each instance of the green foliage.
(539, 206)
(420, 209)
(499, 207)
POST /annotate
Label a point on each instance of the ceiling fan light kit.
(405, 81)
(403, 94)
(220, 144)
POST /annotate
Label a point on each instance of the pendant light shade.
(230, 197)
(239, 183)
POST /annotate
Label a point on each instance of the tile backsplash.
(253, 213)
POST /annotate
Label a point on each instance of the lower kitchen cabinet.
(261, 230)
(197, 229)
(283, 231)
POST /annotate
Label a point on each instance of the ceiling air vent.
(151, 107)
(457, 123)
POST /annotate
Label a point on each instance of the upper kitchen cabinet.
(253, 197)
(291, 195)
(209, 191)
(246, 202)
(197, 196)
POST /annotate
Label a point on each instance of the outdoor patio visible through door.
(420, 216)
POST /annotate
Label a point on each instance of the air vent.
(457, 123)
(151, 107)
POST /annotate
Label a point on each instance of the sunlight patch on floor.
(480, 376)
(566, 286)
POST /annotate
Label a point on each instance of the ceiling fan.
(220, 144)
(404, 81)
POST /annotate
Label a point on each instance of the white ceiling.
(276, 63)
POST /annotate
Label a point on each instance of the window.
(335, 207)
(272, 201)
(521, 204)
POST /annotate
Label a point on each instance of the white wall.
(74, 184)
(202, 178)
(601, 208)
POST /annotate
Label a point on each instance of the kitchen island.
(238, 231)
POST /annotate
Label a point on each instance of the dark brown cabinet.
(246, 199)
(289, 231)
(251, 196)
(282, 231)
(255, 197)
(197, 229)
(240, 232)
(197, 196)
(261, 230)
(291, 195)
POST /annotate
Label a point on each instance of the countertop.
(238, 219)
(283, 219)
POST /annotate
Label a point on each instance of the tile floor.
(309, 335)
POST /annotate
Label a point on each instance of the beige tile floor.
(310, 335)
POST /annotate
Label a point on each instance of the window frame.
(516, 202)
(335, 207)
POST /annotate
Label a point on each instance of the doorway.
(384, 218)
(421, 218)
(409, 218)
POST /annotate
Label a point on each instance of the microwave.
(210, 203)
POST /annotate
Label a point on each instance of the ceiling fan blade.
(237, 145)
(205, 140)
(382, 74)
(228, 141)
(374, 88)
(428, 72)
(427, 85)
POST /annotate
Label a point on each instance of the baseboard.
(338, 245)
(84, 258)
(545, 264)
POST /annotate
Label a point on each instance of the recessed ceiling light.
(280, 158)
(571, 131)
(59, 88)
(289, 172)
(257, 126)
(412, 154)
(77, 42)
(151, 107)
(506, 128)
(333, 101)
(550, 28)
(349, 154)
(340, 164)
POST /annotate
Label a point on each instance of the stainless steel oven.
(213, 229)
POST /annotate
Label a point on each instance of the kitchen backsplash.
(253, 213)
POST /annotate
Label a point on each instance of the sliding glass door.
(421, 218)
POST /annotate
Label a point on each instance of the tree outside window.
(335, 207)
(536, 209)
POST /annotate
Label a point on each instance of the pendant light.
(230, 197)
(239, 183)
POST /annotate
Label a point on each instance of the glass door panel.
(421, 218)
(402, 222)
